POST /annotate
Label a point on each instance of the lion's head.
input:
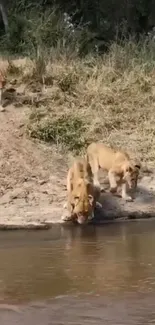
(82, 202)
(131, 173)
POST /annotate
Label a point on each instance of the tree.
(4, 16)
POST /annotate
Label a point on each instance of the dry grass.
(111, 98)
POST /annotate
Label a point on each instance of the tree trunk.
(4, 16)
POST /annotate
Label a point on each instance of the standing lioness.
(117, 163)
(82, 195)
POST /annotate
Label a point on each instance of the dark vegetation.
(80, 25)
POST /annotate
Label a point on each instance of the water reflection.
(113, 259)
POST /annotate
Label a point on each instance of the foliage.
(65, 130)
(83, 26)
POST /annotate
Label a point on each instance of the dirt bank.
(32, 181)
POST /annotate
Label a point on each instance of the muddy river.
(79, 275)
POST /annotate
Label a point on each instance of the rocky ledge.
(19, 214)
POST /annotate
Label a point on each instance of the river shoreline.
(47, 226)
(16, 213)
(33, 182)
(136, 217)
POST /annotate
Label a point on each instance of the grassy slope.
(70, 103)
(111, 99)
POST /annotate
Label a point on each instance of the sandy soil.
(33, 177)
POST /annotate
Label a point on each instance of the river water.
(79, 275)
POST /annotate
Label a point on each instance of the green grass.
(65, 131)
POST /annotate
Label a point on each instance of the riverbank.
(18, 212)
(33, 171)
(33, 177)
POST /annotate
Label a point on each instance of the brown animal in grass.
(82, 195)
(117, 163)
(4, 64)
(2, 84)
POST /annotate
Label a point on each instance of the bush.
(33, 28)
(66, 130)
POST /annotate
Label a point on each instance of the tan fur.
(117, 163)
(82, 194)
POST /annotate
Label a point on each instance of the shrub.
(66, 130)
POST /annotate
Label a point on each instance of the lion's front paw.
(113, 189)
(127, 198)
(66, 218)
(98, 205)
(2, 109)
